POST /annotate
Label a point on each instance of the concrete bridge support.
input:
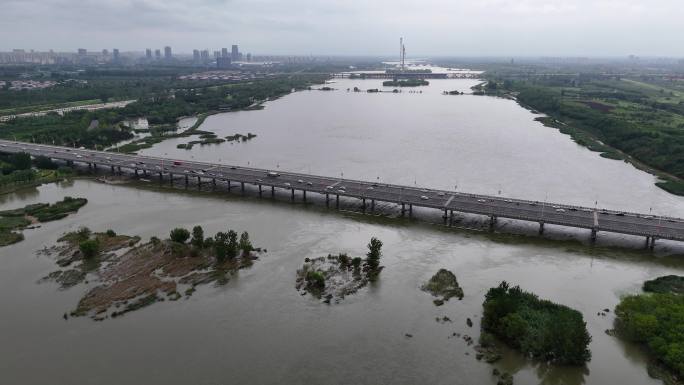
(403, 209)
(171, 179)
(113, 170)
(228, 186)
(445, 216)
(541, 227)
(492, 222)
(242, 187)
(95, 166)
(187, 181)
(136, 172)
(337, 201)
(451, 218)
(304, 195)
(327, 200)
(363, 204)
(410, 210)
(213, 181)
(272, 191)
(372, 205)
(161, 177)
(260, 192)
(119, 169)
(652, 245)
(292, 195)
(594, 231)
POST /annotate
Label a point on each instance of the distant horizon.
(486, 28)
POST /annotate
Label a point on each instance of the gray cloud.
(437, 27)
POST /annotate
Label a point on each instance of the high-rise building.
(167, 53)
(204, 55)
(105, 52)
(234, 53)
(223, 62)
(82, 51)
(249, 57)
(148, 54)
(157, 54)
(224, 52)
(115, 54)
(196, 55)
(217, 54)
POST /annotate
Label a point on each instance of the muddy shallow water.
(258, 329)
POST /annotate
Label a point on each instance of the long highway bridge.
(595, 220)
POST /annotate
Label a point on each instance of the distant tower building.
(234, 53)
(167, 53)
(115, 54)
(82, 51)
(195, 55)
(157, 54)
(105, 52)
(249, 57)
(224, 52)
(148, 54)
(204, 55)
(223, 62)
(217, 54)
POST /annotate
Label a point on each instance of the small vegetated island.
(129, 275)
(655, 319)
(12, 221)
(443, 284)
(405, 83)
(211, 138)
(538, 328)
(336, 276)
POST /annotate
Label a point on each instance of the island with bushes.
(333, 277)
(443, 284)
(406, 83)
(654, 319)
(127, 275)
(12, 221)
(538, 328)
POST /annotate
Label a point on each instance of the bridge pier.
(304, 195)
(337, 201)
(260, 192)
(95, 166)
(228, 185)
(492, 222)
(445, 216)
(114, 171)
(363, 204)
(451, 218)
(171, 179)
(161, 177)
(119, 169)
(186, 181)
(403, 209)
(292, 195)
(213, 181)
(272, 191)
(410, 210)
(648, 242)
(242, 187)
(541, 227)
(594, 231)
(136, 172)
(372, 205)
(199, 182)
(144, 172)
(652, 246)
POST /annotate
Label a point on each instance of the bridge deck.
(549, 213)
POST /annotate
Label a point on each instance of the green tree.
(245, 244)
(220, 245)
(232, 244)
(374, 253)
(197, 237)
(179, 235)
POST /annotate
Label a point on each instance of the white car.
(341, 191)
(329, 187)
(309, 184)
(560, 210)
(370, 188)
(424, 197)
(300, 181)
(441, 193)
(481, 200)
(79, 156)
(287, 184)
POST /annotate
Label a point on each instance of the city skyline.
(456, 28)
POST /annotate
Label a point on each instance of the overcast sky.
(351, 27)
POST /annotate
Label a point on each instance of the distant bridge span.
(407, 197)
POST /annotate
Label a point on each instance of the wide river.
(258, 329)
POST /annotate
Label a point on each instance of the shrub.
(245, 244)
(356, 262)
(315, 280)
(179, 235)
(83, 233)
(111, 233)
(89, 248)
